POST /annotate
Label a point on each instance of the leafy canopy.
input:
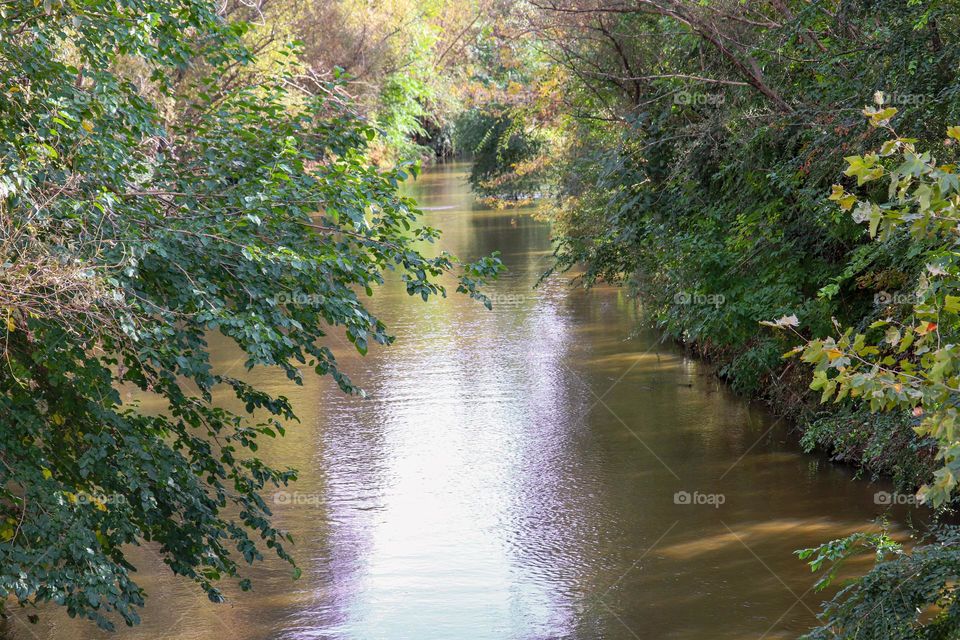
(905, 596)
(905, 362)
(909, 359)
(145, 203)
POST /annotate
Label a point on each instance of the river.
(537, 471)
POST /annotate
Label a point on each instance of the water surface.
(520, 474)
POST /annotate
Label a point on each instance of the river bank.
(876, 445)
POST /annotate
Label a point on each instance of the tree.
(905, 596)
(398, 58)
(145, 204)
(908, 361)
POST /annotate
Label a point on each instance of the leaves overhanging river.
(515, 474)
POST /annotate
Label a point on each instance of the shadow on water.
(531, 472)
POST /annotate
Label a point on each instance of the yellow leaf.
(793, 352)
(87, 126)
(833, 354)
(57, 419)
(879, 116)
(888, 147)
(953, 132)
(46, 474)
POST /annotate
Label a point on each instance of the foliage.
(498, 145)
(880, 444)
(500, 128)
(402, 60)
(903, 364)
(908, 360)
(694, 169)
(394, 58)
(147, 202)
(906, 595)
